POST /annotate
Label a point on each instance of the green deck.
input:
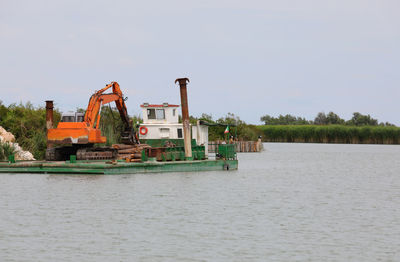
(101, 167)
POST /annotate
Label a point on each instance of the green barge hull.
(113, 168)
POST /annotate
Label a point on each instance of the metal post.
(185, 117)
(49, 117)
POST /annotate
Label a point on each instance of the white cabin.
(161, 121)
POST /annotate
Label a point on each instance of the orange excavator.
(76, 134)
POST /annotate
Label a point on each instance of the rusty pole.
(185, 116)
(49, 117)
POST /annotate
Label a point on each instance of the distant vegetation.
(331, 118)
(329, 128)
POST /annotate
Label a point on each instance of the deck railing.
(240, 146)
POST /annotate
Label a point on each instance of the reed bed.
(331, 134)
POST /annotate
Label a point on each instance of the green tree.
(334, 119)
(206, 117)
(386, 124)
(359, 119)
(268, 120)
(320, 119)
(330, 119)
(284, 120)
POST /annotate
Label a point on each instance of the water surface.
(292, 202)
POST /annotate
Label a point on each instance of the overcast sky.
(246, 57)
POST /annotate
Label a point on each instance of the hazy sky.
(246, 57)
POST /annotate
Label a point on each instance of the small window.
(173, 112)
(151, 113)
(160, 114)
(180, 133)
(68, 119)
(164, 132)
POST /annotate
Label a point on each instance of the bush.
(28, 124)
(6, 149)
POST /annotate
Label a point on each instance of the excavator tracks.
(96, 153)
(89, 153)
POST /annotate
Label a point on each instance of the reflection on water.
(291, 202)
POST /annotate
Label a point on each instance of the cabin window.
(180, 133)
(160, 114)
(68, 119)
(151, 113)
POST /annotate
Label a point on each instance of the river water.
(292, 202)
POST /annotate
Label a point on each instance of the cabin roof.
(158, 105)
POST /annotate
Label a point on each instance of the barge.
(165, 144)
(114, 168)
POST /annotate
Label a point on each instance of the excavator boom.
(98, 99)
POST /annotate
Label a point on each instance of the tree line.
(331, 118)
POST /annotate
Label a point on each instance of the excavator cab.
(72, 117)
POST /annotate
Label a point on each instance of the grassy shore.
(331, 134)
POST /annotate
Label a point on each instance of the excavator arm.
(98, 99)
(92, 116)
(120, 103)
